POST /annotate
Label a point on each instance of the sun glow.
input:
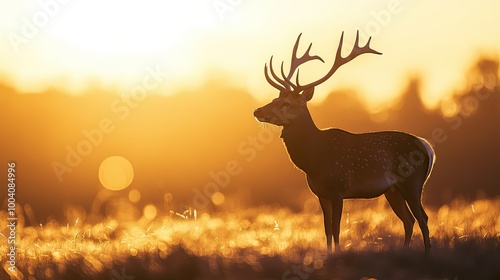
(64, 44)
(135, 28)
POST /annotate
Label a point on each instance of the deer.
(342, 165)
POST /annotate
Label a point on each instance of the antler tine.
(296, 61)
(357, 50)
(271, 82)
(339, 60)
(287, 80)
(338, 55)
(282, 82)
(297, 79)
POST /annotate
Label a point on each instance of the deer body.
(360, 165)
(341, 165)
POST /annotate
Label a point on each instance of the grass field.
(261, 243)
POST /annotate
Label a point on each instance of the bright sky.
(66, 44)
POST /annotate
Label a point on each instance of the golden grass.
(241, 237)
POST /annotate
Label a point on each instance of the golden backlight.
(116, 173)
(68, 43)
(133, 29)
(137, 153)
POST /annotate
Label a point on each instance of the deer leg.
(337, 205)
(326, 206)
(413, 198)
(425, 214)
(398, 205)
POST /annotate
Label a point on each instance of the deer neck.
(301, 138)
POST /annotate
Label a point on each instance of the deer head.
(291, 103)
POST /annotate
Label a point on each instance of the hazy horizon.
(178, 144)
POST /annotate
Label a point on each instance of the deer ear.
(307, 94)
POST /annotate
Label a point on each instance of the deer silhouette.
(342, 165)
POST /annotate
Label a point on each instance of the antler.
(285, 83)
(339, 60)
(295, 62)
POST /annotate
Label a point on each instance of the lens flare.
(116, 173)
(218, 198)
(150, 212)
(134, 196)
